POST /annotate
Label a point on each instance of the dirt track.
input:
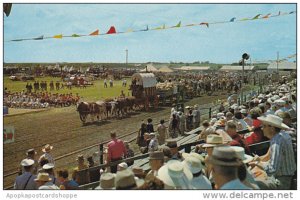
(62, 128)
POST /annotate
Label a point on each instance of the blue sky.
(220, 43)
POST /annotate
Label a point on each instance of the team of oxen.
(109, 108)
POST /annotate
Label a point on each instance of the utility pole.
(126, 57)
(277, 66)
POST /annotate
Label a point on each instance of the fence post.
(209, 114)
(101, 153)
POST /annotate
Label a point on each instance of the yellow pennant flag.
(58, 36)
(244, 19)
(129, 30)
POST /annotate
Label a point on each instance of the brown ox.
(93, 109)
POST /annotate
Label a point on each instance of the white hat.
(27, 162)
(125, 180)
(47, 148)
(244, 111)
(48, 166)
(152, 134)
(240, 151)
(123, 165)
(219, 115)
(107, 181)
(224, 156)
(193, 154)
(213, 120)
(174, 174)
(213, 140)
(193, 164)
(43, 177)
(273, 120)
(279, 102)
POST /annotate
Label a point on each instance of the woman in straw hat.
(279, 160)
(47, 155)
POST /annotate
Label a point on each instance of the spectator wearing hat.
(31, 154)
(280, 104)
(82, 175)
(229, 116)
(244, 174)
(174, 126)
(66, 184)
(246, 117)
(172, 144)
(153, 145)
(125, 180)
(279, 160)
(42, 162)
(122, 166)
(212, 141)
(129, 153)
(196, 116)
(107, 181)
(237, 140)
(47, 155)
(162, 132)
(195, 166)
(49, 168)
(225, 164)
(116, 151)
(207, 130)
(26, 180)
(175, 175)
(156, 161)
(44, 182)
(181, 118)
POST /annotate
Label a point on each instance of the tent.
(282, 66)
(165, 69)
(149, 68)
(193, 68)
(236, 68)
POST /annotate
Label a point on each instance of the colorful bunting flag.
(266, 16)
(147, 28)
(57, 36)
(191, 25)
(177, 26)
(256, 17)
(232, 19)
(95, 33)
(244, 19)
(129, 30)
(112, 30)
(205, 23)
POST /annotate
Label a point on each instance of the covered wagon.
(143, 88)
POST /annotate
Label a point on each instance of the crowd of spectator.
(33, 100)
(223, 161)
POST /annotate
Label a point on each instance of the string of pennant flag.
(112, 29)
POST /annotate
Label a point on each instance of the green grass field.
(90, 93)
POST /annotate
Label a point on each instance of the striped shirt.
(282, 160)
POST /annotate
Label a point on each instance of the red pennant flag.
(204, 23)
(95, 32)
(112, 30)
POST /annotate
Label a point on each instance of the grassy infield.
(91, 93)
